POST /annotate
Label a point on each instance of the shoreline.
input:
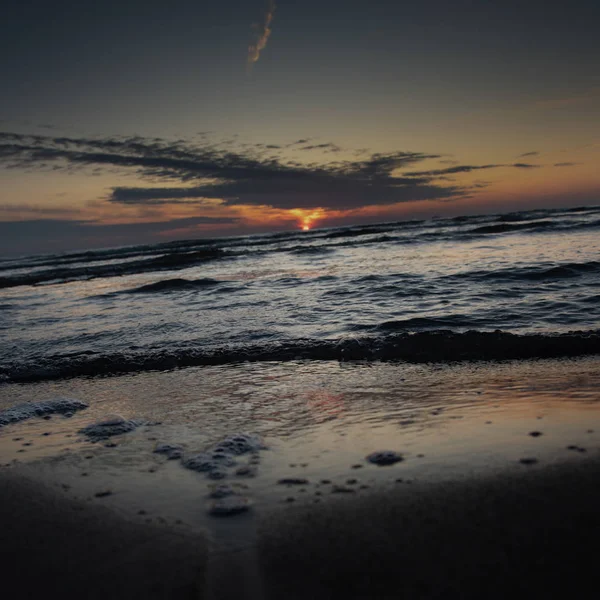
(471, 537)
(393, 344)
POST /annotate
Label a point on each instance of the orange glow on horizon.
(307, 217)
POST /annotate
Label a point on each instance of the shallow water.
(319, 420)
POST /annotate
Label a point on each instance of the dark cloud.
(39, 235)
(438, 173)
(38, 226)
(156, 196)
(533, 153)
(451, 170)
(35, 209)
(565, 164)
(213, 171)
(326, 146)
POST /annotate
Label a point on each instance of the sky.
(127, 122)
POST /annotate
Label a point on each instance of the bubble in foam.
(40, 409)
(171, 451)
(384, 458)
(111, 425)
(241, 443)
(223, 490)
(206, 462)
(216, 460)
(246, 471)
(218, 473)
(230, 505)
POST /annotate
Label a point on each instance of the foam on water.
(109, 427)
(171, 451)
(384, 458)
(216, 461)
(64, 406)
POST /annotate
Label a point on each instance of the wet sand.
(532, 533)
(468, 520)
(529, 532)
(52, 545)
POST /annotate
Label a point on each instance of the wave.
(585, 225)
(179, 254)
(422, 347)
(519, 222)
(165, 262)
(88, 256)
(173, 285)
(422, 323)
(302, 250)
(355, 232)
(545, 272)
(508, 227)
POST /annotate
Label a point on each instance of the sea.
(360, 357)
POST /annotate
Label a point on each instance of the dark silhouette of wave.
(425, 323)
(507, 227)
(359, 231)
(160, 263)
(300, 250)
(437, 346)
(173, 285)
(538, 273)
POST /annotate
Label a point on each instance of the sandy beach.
(53, 545)
(530, 533)
(496, 493)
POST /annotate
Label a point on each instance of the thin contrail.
(262, 36)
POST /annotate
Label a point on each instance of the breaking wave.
(421, 347)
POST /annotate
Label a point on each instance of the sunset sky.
(133, 122)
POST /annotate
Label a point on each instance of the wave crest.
(421, 347)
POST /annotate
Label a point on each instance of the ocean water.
(366, 292)
(448, 341)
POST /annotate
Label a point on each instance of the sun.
(307, 218)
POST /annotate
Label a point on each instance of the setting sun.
(307, 218)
